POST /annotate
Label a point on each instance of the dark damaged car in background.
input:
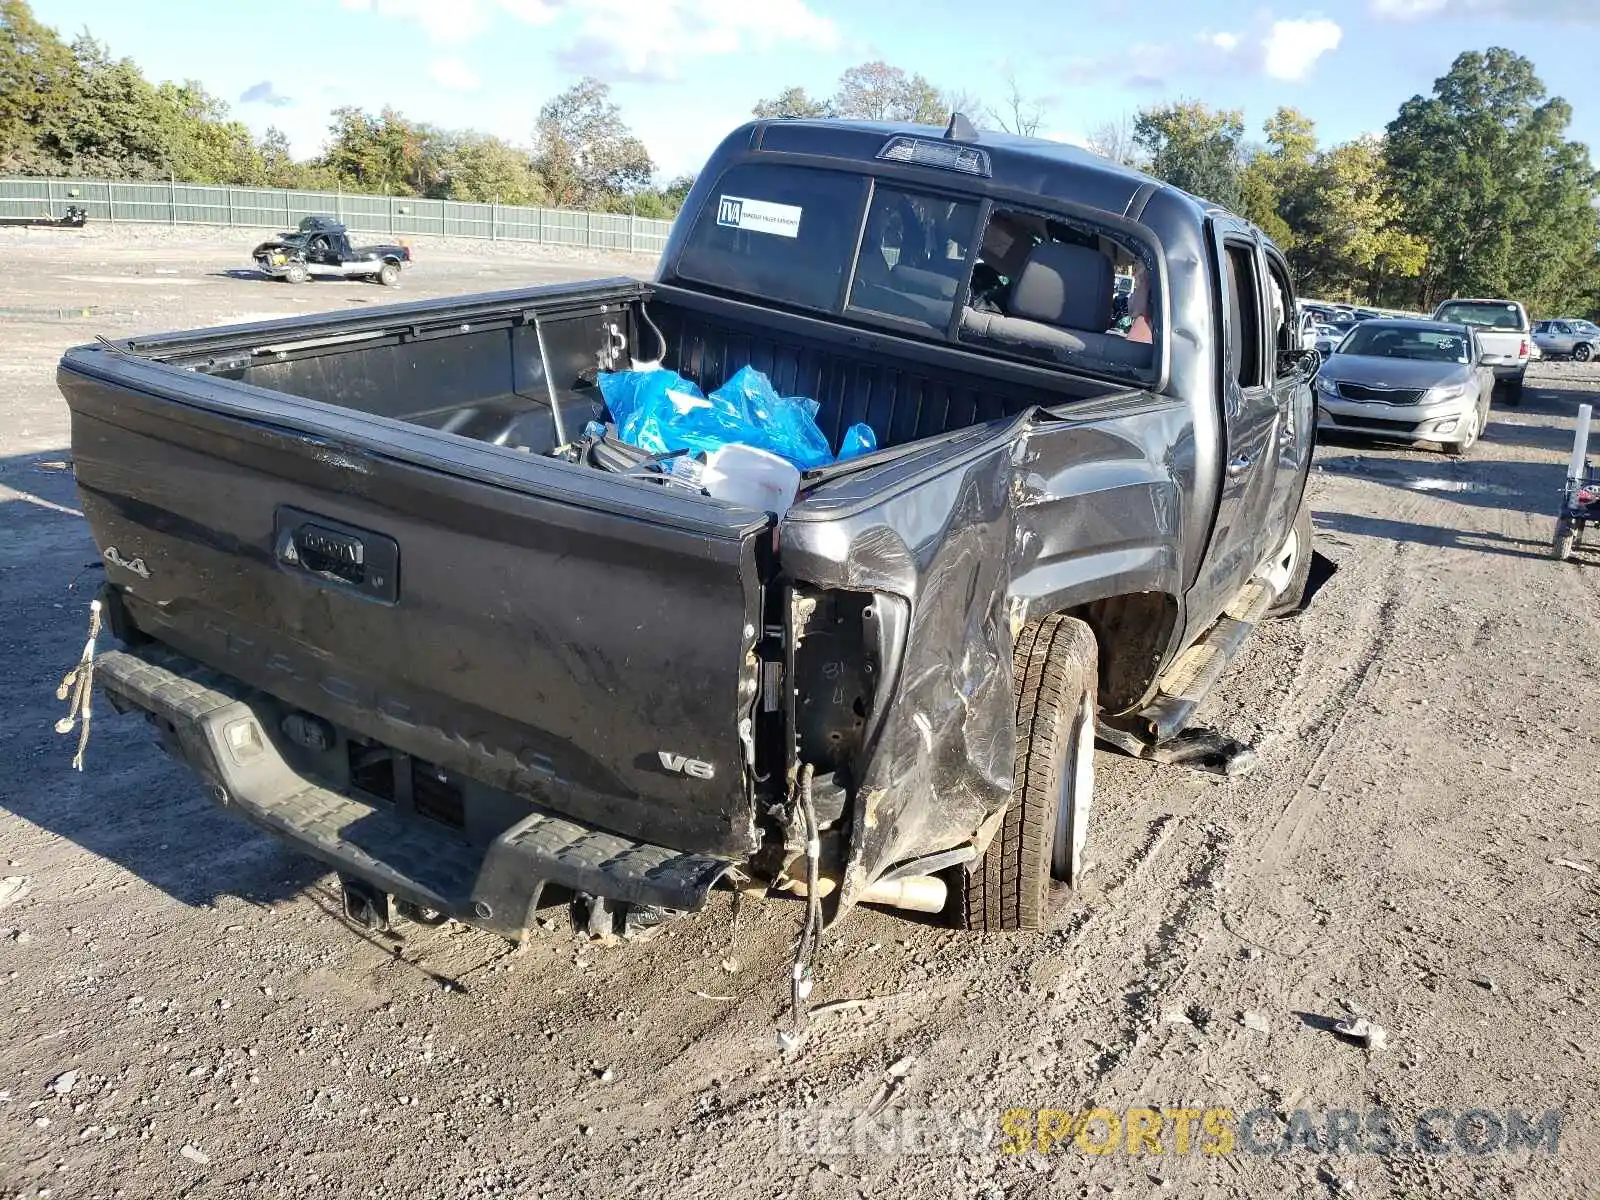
(378, 581)
(319, 248)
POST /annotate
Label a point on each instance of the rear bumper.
(231, 737)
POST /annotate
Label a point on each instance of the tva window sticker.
(759, 216)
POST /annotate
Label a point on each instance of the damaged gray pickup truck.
(379, 584)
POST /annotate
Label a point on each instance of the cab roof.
(1036, 165)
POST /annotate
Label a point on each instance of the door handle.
(1238, 466)
(337, 555)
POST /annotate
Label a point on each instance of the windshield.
(1494, 314)
(1399, 341)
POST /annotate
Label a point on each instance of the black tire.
(297, 273)
(1055, 664)
(1583, 352)
(1512, 390)
(389, 275)
(1300, 574)
(1565, 540)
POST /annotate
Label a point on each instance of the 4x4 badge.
(113, 556)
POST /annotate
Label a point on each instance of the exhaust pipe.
(916, 893)
(919, 893)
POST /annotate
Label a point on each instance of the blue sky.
(687, 71)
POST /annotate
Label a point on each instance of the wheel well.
(1133, 632)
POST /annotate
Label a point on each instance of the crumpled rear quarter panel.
(1007, 526)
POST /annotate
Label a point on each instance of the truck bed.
(357, 521)
(484, 378)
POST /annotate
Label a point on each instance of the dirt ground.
(182, 1012)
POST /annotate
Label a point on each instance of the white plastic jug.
(758, 479)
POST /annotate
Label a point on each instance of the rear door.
(1245, 521)
(1290, 374)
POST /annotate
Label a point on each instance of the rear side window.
(1055, 290)
(1493, 314)
(1244, 316)
(914, 256)
(778, 233)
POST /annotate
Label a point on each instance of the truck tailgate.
(581, 642)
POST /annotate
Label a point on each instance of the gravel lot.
(183, 1012)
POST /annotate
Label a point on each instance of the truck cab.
(326, 242)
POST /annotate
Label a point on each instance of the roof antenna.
(960, 129)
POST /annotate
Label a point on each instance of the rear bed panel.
(902, 400)
(547, 647)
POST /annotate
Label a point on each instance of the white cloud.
(532, 12)
(1291, 48)
(458, 20)
(1405, 10)
(1579, 12)
(626, 39)
(453, 74)
(1279, 49)
(660, 34)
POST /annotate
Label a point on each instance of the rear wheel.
(1055, 663)
(1294, 560)
(1583, 352)
(389, 276)
(1513, 390)
(296, 273)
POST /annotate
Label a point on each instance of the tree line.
(70, 108)
(1474, 189)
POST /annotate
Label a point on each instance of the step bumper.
(221, 729)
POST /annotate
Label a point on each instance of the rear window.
(1026, 284)
(1494, 314)
(778, 233)
(914, 256)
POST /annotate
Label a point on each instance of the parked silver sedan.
(1408, 381)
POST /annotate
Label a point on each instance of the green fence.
(113, 202)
